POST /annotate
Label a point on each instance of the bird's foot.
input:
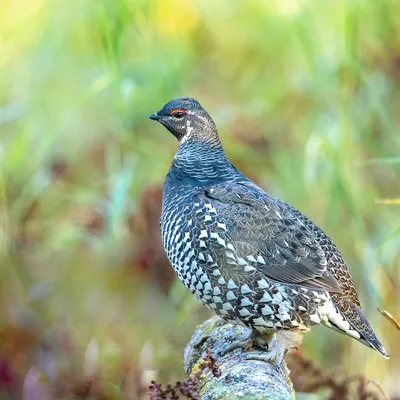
(255, 339)
(274, 352)
(277, 346)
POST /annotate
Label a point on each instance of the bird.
(251, 258)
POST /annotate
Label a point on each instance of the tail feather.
(348, 318)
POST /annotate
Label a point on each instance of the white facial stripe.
(189, 130)
(197, 115)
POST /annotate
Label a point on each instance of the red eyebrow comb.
(178, 110)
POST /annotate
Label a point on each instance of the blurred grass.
(306, 96)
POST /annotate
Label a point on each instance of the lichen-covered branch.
(239, 377)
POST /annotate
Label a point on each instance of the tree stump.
(238, 377)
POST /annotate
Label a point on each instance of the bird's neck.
(202, 160)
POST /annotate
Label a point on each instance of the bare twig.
(390, 317)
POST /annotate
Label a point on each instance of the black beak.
(154, 116)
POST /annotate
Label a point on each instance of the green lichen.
(211, 325)
(197, 367)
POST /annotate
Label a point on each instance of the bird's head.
(187, 120)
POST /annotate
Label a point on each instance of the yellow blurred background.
(306, 97)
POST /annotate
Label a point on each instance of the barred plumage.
(249, 257)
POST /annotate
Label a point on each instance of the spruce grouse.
(251, 258)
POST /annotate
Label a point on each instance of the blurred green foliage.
(307, 100)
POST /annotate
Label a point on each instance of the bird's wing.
(263, 230)
(336, 265)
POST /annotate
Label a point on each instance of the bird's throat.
(202, 160)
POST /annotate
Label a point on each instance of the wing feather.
(261, 227)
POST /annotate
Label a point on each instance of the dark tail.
(349, 319)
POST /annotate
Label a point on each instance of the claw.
(274, 353)
(274, 349)
(245, 345)
(253, 340)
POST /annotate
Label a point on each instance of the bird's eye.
(178, 114)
